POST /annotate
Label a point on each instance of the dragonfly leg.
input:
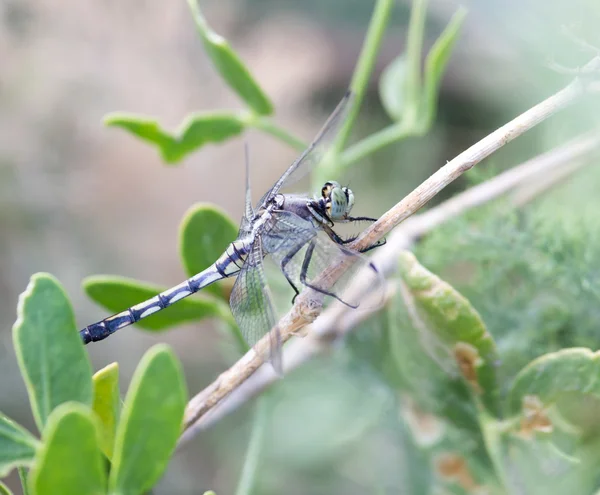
(304, 271)
(360, 219)
(336, 238)
(284, 263)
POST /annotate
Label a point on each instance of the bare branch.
(201, 411)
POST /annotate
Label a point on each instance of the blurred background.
(78, 199)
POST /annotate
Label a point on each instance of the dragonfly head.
(338, 200)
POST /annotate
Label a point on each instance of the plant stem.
(414, 47)
(364, 66)
(259, 425)
(374, 142)
(268, 126)
(23, 478)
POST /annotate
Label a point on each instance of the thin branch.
(200, 411)
(530, 190)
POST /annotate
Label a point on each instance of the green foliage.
(204, 234)
(451, 329)
(410, 101)
(435, 66)
(107, 405)
(230, 67)
(391, 86)
(79, 418)
(195, 131)
(150, 423)
(17, 446)
(568, 379)
(69, 461)
(530, 275)
(45, 338)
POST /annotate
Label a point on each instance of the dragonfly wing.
(252, 306)
(315, 152)
(287, 231)
(246, 223)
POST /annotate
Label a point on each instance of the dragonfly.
(295, 231)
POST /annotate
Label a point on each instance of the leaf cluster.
(90, 443)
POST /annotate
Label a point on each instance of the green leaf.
(391, 86)
(150, 422)
(454, 328)
(17, 446)
(117, 293)
(568, 379)
(435, 65)
(229, 65)
(49, 350)
(196, 130)
(204, 234)
(107, 404)
(70, 461)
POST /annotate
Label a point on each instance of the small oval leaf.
(203, 128)
(391, 87)
(150, 423)
(70, 461)
(142, 126)
(52, 359)
(117, 293)
(229, 65)
(17, 446)
(107, 404)
(196, 131)
(204, 234)
(456, 327)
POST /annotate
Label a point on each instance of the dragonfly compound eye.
(339, 202)
(349, 199)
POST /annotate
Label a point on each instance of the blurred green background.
(78, 199)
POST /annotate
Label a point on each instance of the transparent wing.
(315, 152)
(252, 306)
(287, 231)
(305, 255)
(246, 223)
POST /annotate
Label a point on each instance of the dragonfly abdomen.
(227, 265)
(234, 257)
